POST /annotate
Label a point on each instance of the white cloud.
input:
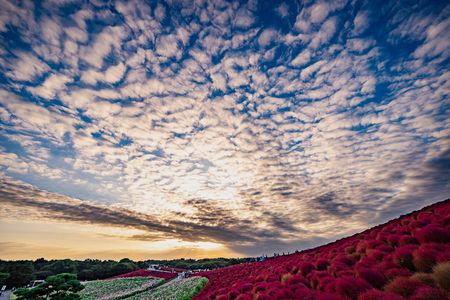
(325, 33)
(111, 75)
(107, 40)
(27, 67)
(51, 86)
(244, 18)
(302, 58)
(267, 37)
(167, 45)
(319, 12)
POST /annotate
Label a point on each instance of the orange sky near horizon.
(59, 240)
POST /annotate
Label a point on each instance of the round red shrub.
(305, 268)
(351, 287)
(345, 259)
(282, 294)
(407, 240)
(233, 294)
(297, 279)
(424, 258)
(403, 256)
(322, 264)
(375, 253)
(429, 293)
(404, 286)
(396, 272)
(350, 249)
(379, 295)
(393, 239)
(246, 287)
(433, 233)
(373, 277)
(327, 296)
(244, 297)
(259, 287)
(262, 296)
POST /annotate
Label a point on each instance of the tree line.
(21, 272)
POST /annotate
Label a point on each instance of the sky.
(168, 129)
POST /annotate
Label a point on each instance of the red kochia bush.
(146, 273)
(305, 268)
(403, 256)
(433, 233)
(379, 295)
(322, 264)
(407, 239)
(424, 258)
(376, 264)
(429, 293)
(351, 287)
(404, 286)
(372, 276)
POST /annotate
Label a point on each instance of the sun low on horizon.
(194, 129)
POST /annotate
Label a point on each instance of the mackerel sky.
(254, 126)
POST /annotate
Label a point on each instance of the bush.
(433, 233)
(424, 258)
(429, 293)
(322, 264)
(396, 272)
(305, 268)
(441, 274)
(351, 287)
(426, 278)
(375, 278)
(403, 256)
(404, 286)
(379, 295)
(407, 240)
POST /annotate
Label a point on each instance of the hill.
(406, 258)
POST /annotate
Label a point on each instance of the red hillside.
(406, 258)
(147, 273)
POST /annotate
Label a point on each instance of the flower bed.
(176, 289)
(386, 262)
(117, 288)
(147, 273)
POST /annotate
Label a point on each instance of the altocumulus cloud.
(257, 125)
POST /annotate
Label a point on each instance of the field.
(177, 289)
(117, 288)
(406, 258)
(147, 273)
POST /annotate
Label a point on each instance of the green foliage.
(3, 277)
(206, 263)
(57, 287)
(23, 272)
(203, 281)
(20, 272)
(117, 288)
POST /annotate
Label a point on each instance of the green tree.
(57, 287)
(3, 277)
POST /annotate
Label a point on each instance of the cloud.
(111, 75)
(105, 42)
(244, 18)
(27, 67)
(267, 37)
(52, 85)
